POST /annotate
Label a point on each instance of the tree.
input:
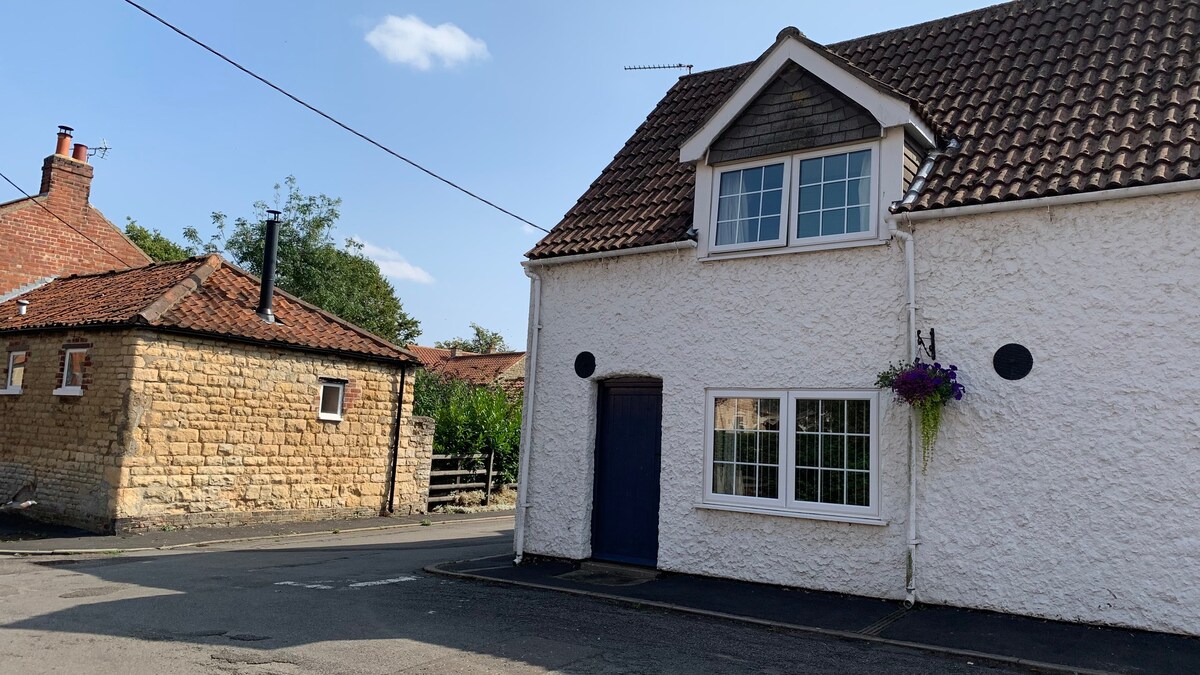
(339, 280)
(154, 244)
(485, 341)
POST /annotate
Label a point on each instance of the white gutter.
(914, 441)
(1044, 202)
(546, 262)
(535, 328)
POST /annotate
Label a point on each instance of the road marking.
(382, 582)
(293, 583)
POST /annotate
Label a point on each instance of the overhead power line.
(329, 117)
(77, 230)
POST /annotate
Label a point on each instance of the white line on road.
(293, 583)
(382, 582)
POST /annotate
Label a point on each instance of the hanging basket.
(927, 387)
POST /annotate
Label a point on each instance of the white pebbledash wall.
(1069, 494)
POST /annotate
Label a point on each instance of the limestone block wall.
(71, 446)
(226, 433)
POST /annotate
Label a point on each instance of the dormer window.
(807, 199)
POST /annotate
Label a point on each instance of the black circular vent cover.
(585, 364)
(1012, 361)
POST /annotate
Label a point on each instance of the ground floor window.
(804, 451)
(332, 398)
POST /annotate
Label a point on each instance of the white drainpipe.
(535, 328)
(914, 442)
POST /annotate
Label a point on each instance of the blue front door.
(628, 457)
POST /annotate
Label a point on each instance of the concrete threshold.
(1025, 642)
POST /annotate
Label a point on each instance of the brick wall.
(36, 245)
(229, 433)
(70, 445)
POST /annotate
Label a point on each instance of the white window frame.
(73, 390)
(341, 399)
(786, 504)
(788, 240)
(9, 389)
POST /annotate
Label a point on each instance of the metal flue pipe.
(266, 294)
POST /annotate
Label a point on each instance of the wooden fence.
(450, 474)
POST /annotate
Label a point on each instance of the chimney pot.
(453, 352)
(22, 306)
(79, 154)
(64, 140)
(266, 294)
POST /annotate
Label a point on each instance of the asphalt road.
(359, 603)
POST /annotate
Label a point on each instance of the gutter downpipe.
(910, 265)
(394, 451)
(535, 328)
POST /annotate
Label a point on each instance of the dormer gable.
(797, 111)
(791, 55)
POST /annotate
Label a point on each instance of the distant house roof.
(203, 296)
(1044, 99)
(480, 369)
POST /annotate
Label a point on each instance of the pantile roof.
(204, 295)
(1043, 98)
(480, 369)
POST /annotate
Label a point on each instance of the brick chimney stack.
(67, 179)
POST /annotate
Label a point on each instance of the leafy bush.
(472, 420)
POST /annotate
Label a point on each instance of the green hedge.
(472, 420)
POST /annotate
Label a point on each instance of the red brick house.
(503, 369)
(57, 231)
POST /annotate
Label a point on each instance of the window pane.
(725, 233)
(858, 452)
(768, 413)
(727, 208)
(750, 206)
(860, 163)
(833, 222)
(858, 219)
(723, 445)
(858, 417)
(810, 198)
(768, 448)
(722, 479)
(833, 452)
(16, 371)
(724, 411)
(768, 228)
(747, 230)
(809, 226)
(773, 176)
(833, 195)
(835, 167)
(833, 487)
(858, 489)
(810, 171)
(806, 485)
(730, 182)
(752, 180)
(746, 480)
(772, 203)
(833, 417)
(808, 450)
(807, 412)
(858, 191)
(747, 448)
(331, 399)
(73, 375)
(768, 482)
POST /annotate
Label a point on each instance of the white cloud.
(411, 41)
(393, 265)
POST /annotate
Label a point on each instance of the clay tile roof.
(1045, 98)
(204, 295)
(481, 369)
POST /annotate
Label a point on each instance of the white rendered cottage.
(1021, 180)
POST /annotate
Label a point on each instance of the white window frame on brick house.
(328, 385)
(9, 388)
(784, 502)
(66, 389)
(789, 237)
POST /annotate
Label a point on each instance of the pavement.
(1025, 642)
(22, 536)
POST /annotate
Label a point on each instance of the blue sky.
(521, 102)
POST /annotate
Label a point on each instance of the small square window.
(15, 374)
(332, 394)
(72, 373)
